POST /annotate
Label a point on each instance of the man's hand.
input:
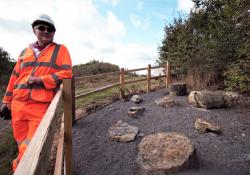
(34, 80)
(5, 112)
(5, 105)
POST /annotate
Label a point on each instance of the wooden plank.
(149, 78)
(60, 151)
(122, 85)
(135, 81)
(134, 70)
(159, 76)
(97, 90)
(36, 157)
(77, 79)
(73, 100)
(157, 67)
(167, 72)
(67, 105)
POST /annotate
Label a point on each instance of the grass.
(8, 151)
(130, 89)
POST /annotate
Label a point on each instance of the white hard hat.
(43, 18)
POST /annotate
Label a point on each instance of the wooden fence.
(37, 155)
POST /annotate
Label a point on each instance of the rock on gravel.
(164, 153)
(122, 132)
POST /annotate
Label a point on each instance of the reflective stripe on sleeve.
(25, 86)
(45, 64)
(9, 94)
(56, 79)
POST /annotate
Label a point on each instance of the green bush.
(237, 78)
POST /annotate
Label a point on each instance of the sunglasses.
(43, 28)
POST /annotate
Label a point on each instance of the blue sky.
(122, 32)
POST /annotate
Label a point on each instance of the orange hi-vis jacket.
(52, 65)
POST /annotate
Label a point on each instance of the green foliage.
(237, 77)
(206, 44)
(94, 67)
(6, 66)
(8, 151)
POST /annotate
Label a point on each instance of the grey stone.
(204, 126)
(134, 111)
(122, 132)
(178, 89)
(164, 153)
(166, 102)
(136, 99)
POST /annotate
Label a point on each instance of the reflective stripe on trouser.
(26, 116)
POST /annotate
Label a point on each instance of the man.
(37, 74)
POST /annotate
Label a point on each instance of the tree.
(6, 66)
(211, 45)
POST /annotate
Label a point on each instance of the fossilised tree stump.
(178, 89)
(165, 153)
(206, 99)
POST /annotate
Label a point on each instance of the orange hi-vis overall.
(30, 102)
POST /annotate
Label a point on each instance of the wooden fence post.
(67, 105)
(167, 72)
(122, 85)
(73, 101)
(149, 78)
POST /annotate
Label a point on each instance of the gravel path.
(229, 153)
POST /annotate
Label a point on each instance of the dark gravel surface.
(229, 153)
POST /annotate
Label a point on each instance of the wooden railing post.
(73, 100)
(167, 72)
(149, 78)
(122, 85)
(67, 104)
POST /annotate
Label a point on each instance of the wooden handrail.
(98, 90)
(77, 79)
(60, 151)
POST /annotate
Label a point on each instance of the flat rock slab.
(122, 132)
(204, 126)
(164, 153)
(166, 102)
(178, 89)
(135, 111)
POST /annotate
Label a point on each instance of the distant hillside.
(94, 67)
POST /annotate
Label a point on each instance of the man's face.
(44, 33)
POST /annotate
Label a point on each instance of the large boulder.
(122, 132)
(164, 153)
(178, 89)
(206, 99)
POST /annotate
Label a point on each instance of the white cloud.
(87, 34)
(113, 2)
(137, 22)
(185, 5)
(139, 5)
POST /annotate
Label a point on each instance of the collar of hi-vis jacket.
(51, 62)
(38, 49)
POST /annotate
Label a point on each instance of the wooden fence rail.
(37, 155)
